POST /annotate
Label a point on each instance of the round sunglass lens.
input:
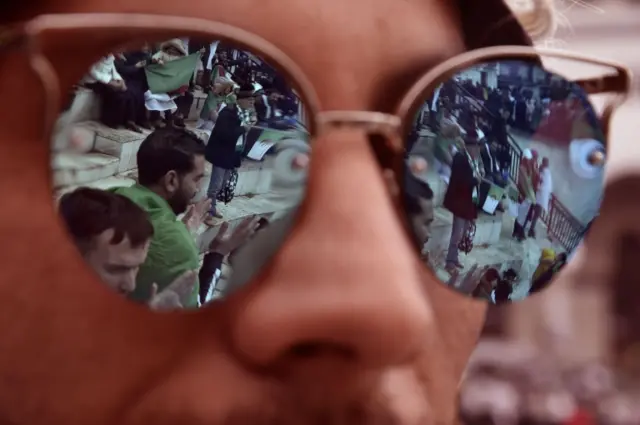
(177, 168)
(504, 173)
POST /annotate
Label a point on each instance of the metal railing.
(563, 226)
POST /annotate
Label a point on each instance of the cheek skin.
(459, 321)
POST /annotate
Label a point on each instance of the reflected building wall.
(486, 75)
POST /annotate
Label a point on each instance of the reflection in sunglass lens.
(177, 168)
(504, 175)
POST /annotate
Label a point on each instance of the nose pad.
(346, 286)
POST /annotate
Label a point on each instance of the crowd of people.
(154, 86)
(483, 141)
(141, 239)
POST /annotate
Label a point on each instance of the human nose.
(346, 284)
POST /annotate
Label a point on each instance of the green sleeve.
(172, 252)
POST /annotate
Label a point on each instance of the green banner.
(173, 75)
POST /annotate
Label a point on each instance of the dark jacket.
(458, 198)
(221, 147)
(498, 131)
(489, 161)
(135, 78)
(211, 263)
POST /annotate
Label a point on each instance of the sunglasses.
(528, 147)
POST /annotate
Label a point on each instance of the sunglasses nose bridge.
(384, 131)
(370, 121)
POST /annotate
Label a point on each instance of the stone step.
(240, 207)
(494, 247)
(488, 230)
(120, 143)
(102, 184)
(116, 155)
(75, 169)
(254, 177)
(99, 171)
(502, 255)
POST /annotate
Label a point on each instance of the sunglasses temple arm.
(606, 84)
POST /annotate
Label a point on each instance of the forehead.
(122, 254)
(403, 38)
(198, 165)
(427, 206)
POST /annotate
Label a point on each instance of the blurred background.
(570, 355)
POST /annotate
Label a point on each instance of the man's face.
(188, 186)
(422, 222)
(345, 326)
(116, 264)
(246, 103)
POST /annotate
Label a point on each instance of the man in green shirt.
(113, 235)
(170, 169)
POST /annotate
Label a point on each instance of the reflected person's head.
(246, 96)
(490, 278)
(418, 197)
(111, 232)
(171, 163)
(345, 325)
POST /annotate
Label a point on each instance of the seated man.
(120, 107)
(170, 169)
(113, 235)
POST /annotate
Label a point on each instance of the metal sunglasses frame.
(49, 39)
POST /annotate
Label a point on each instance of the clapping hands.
(196, 214)
(174, 296)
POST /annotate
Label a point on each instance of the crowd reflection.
(170, 159)
(513, 156)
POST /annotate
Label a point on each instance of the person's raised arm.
(225, 242)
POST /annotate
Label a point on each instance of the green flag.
(172, 75)
(213, 102)
(273, 135)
